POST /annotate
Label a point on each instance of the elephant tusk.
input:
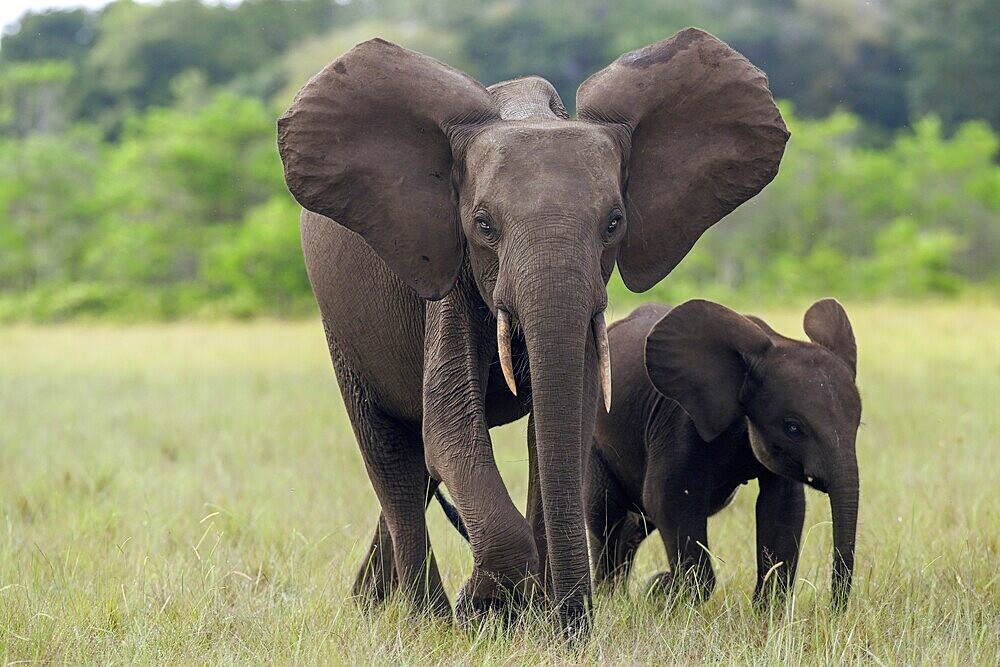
(503, 347)
(603, 357)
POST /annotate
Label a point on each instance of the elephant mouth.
(801, 475)
(816, 483)
(599, 329)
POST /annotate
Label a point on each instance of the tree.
(32, 96)
(954, 48)
(821, 56)
(140, 49)
(46, 206)
(179, 181)
(54, 34)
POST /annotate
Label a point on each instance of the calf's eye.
(793, 429)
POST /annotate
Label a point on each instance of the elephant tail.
(451, 512)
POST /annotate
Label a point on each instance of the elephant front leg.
(459, 453)
(781, 510)
(682, 518)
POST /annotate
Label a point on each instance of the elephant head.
(436, 172)
(799, 399)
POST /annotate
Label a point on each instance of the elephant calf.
(706, 399)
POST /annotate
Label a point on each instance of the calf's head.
(799, 398)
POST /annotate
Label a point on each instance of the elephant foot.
(483, 597)
(769, 599)
(373, 587)
(675, 588)
(661, 583)
(371, 599)
(377, 581)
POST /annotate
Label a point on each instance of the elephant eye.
(613, 222)
(793, 429)
(483, 223)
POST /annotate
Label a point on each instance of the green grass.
(192, 493)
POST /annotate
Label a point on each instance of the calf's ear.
(826, 324)
(698, 355)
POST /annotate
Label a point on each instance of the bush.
(917, 218)
(188, 215)
(261, 269)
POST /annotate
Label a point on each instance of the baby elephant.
(705, 399)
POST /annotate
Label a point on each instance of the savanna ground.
(192, 493)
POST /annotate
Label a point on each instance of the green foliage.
(955, 51)
(126, 58)
(32, 96)
(47, 211)
(822, 55)
(48, 35)
(139, 177)
(178, 183)
(261, 268)
(885, 60)
(312, 55)
(916, 218)
(187, 213)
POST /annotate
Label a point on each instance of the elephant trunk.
(600, 329)
(556, 353)
(844, 510)
(559, 328)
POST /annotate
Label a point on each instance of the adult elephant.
(459, 239)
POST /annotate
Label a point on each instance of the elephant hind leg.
(394, 457)
(615, 532)
(395, 461)
(631, 533)
(376, 578)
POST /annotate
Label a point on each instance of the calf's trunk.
(844, 493)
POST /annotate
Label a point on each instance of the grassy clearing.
(192, 493)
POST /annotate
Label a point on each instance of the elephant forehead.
(547, 152)
(812, 382)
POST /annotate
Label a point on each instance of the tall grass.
(192, 493)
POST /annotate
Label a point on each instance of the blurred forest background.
(139, 176)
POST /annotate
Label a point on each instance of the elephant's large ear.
(699, 354)
(706, 136)
(826, 324)
(368, 143)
